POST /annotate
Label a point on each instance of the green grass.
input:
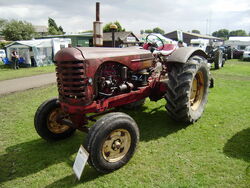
(7, 73)
(214, 152)
(236, 68)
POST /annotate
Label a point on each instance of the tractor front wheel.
(46, 123)
(187, 89)
(112, 141)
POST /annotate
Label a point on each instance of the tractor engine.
(114, 79)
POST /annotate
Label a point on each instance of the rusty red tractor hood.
(127, 56)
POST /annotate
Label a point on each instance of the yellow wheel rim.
(197, 91)
(52, 124)
(116, 145)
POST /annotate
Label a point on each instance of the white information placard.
(80, 162)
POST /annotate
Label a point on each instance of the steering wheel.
(153, 43)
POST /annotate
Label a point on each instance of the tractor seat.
(167, 49)
(145, 46)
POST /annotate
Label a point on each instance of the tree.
(142, 31)
(61, 29)
(148, 31)
(196, 31)
(2, 23)
(53, 31)
(106, 28)
(53, 28)
(87, 31)
(119, 27)
(18, 30)
(239, 32)
(223, 33)
(155, 30)
(158, 30)
(4, 43)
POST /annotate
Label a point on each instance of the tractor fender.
(181, 55)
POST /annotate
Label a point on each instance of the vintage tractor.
(216, 56)
(215, 53)
(93, 81)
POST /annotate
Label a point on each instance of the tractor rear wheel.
(46, 123)
(112, 141)
(223, 62)
(218, 59)
(187, 89)
(230, 53)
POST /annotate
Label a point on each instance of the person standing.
(180, 44)
(14, 60)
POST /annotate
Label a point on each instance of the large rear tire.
(46, 124)
(188, 89)
(112, 141)
(218, 59)
(230, 53)
(223, 62)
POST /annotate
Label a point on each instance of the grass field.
(214, 152)
(7, 73)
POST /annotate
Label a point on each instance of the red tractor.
(93, 81)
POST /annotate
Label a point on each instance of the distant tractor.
(215, 53)
(94, 81)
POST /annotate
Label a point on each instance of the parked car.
(237, 54)
(2, 54)
(246, 53)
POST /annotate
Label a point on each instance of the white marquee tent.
(37, 52)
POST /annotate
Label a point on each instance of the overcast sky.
(134, 15)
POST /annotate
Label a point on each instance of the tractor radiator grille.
(71, 79)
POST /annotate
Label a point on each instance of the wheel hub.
(197, 91)
(116, 145)
(52, 123)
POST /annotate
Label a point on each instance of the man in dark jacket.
(14, 60)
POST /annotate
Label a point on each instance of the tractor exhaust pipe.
(97, 28)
